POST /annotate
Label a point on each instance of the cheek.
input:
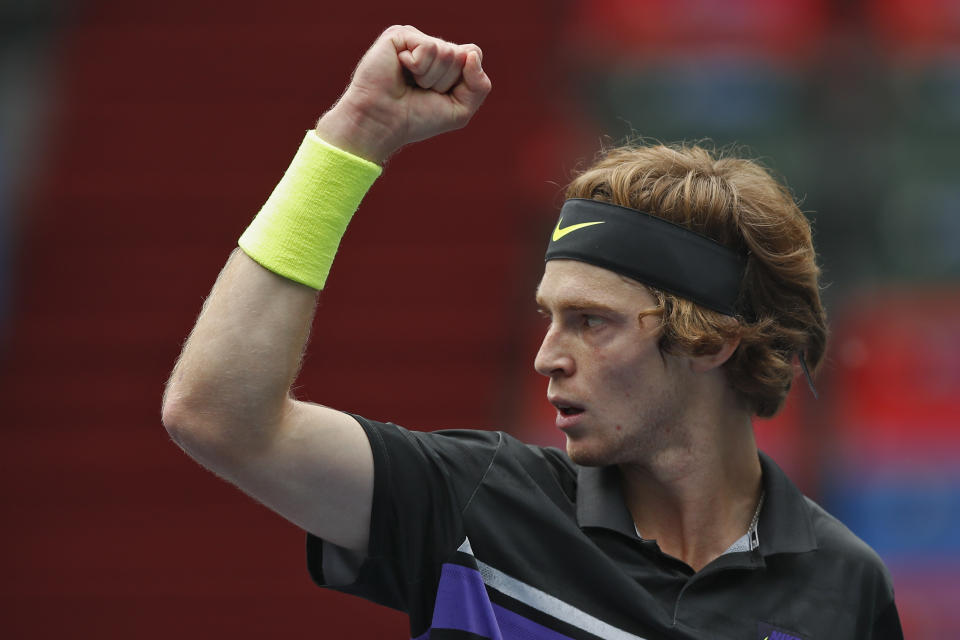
(624, 375)
(625, 369)
(633, 383)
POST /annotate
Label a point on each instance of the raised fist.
(407, 87)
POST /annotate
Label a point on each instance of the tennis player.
(681, 295)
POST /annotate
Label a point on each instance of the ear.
(704, 363)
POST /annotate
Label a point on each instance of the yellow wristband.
(298, 230)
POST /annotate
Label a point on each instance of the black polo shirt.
(477, 535)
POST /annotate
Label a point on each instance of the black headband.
(650, 250)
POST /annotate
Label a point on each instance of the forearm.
(229, 392)
(242, 356)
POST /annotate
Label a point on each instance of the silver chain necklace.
(752, 531)
(756, 514)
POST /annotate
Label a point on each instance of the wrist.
(297, 231)
(352, 129)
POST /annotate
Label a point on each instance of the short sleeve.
(423, 483)
(887, 624)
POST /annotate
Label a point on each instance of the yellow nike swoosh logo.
(559, 233)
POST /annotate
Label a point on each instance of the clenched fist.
(408, 86)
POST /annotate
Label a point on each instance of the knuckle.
(446, 54)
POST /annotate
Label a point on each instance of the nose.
(553, 359)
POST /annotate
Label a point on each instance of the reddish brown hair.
(741, 205)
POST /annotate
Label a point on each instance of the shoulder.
(552, 457)
(839, 543)
(499, 447)
(834, 536)
(512, 464)
(442, 445)
(471, 451)
(506, 451)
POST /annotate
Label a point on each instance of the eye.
(592, 322)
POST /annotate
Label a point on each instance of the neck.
(698, 498)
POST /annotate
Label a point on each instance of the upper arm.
(316, 470)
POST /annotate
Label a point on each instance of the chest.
(538, 561)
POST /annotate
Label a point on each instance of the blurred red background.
(141, 139)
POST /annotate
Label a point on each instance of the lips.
(569, 412)
(566, 407)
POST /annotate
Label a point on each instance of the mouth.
(565, 407)
(569, 411)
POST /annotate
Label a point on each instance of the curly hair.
(739, 204)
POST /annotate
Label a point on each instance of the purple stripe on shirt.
(462, 603)
(515, 626)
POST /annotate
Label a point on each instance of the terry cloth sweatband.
(650, 250)
(298, 230)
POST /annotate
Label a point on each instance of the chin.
(583, 454)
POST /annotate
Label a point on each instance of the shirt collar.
(784, 525)
(600, 500)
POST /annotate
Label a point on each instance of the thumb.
(475, 86)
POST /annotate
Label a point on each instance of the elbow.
(175, 420)
(208, 431)
(182, 424)
(191, 423)
(199, 433)
(172, 408)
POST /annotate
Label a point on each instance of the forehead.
(571, 283)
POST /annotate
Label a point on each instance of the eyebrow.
(578, 304)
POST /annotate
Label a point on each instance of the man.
(679, 290)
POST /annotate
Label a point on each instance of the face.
(618, 399)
